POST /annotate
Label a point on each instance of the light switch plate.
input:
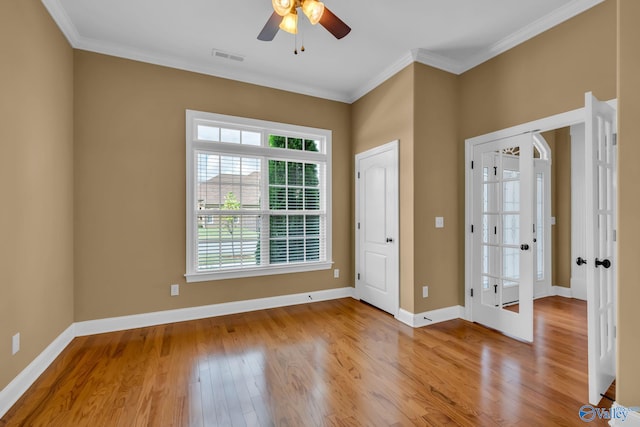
(439, 222)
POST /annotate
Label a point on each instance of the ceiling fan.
(285, 17)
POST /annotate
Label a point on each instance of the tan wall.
(130, 184)
(560, 143)
(36, 183)
(435, 184)
(561, 159)
(383, 115)
(628, 381)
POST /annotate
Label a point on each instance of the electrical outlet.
(175, 290)
(336, 273)
(425, 291)
(439, 222)
(15, 343)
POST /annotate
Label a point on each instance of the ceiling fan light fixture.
(290, 23)
(313, 9)
(283, 7)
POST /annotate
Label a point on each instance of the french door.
(601, 209)
(503, 235)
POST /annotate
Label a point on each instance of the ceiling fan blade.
(333, 24)
(270, 28)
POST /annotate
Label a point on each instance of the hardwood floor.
(335, 363)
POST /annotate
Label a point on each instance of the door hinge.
(614, 139)
(495, 170)
(471, 292)
(358, 276)
(472, 228)
(615, 235)
(615, 332)
(358, 174)
(358, 226)
(471, 164)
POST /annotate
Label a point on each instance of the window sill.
(256, 272)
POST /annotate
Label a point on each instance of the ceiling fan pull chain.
(295, 44)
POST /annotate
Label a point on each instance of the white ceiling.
(453, 35)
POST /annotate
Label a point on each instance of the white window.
(258, 197)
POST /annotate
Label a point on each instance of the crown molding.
(436, 60)
(528, 32)
(212, 69)
(232, 73)
(63, 21)
(422, 56)
(382, 77)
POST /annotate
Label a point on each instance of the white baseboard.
(16, 388)
(624, 417)
(430, 317)
(112, 324)
(561, 291)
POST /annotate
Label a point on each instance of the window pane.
(296, 250)
(511, 229)
(313, 249)
(208, 133)
(226, 241)
(511, 196)
(294, 173)
(226, 182)
(230, 135)
(250, 138)
(277, 172)
(311, 176)
(294, 199)
(277, 198)
(296, 225)
(311, 199)
(278, 226)
(311, 145)
(294, 143)
(276, 141)
(278, 251)
(313, 225)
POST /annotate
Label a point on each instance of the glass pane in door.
(501, 228)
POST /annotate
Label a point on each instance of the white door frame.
(557, 121)
(390, 146)
(570, 118)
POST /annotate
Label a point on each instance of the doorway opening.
(505, 212)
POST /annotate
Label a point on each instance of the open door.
(601, 209)
(503, 235)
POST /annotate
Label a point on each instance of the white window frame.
(193, 145)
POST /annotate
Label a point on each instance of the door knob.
(524, 247)
(605, 263)
(580, 261)
(389, 240)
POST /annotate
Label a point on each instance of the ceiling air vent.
(217, 53)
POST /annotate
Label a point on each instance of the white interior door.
(503, 269)
(377, 195)
(601, 209)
